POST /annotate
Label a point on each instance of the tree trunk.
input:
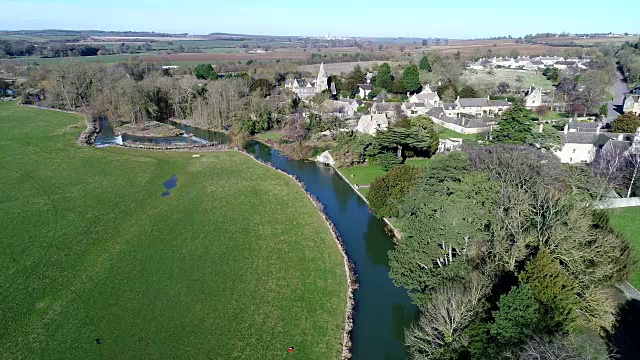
(636, 163)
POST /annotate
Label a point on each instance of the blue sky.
(421, 18)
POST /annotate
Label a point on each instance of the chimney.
(541, 127)
(620, 137)
(638, 131)
(598, 130)
(566, 128)
(463, 121)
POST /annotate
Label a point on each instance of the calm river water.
(382, 310)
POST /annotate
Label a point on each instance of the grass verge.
(627, 222)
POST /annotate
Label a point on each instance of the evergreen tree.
(517, 318)
(383, 78)
(468, 92)
(424, 64)
(411, 78)
(417, 140)
(515, 126)
(626, 123)
(205, 72)
(389, 190)
(553, 289)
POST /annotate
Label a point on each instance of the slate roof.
(567, 63)
(537, 62)
(449, 106)
(365, 86)
(473, 102)
(499, 103)
(590, 126)
(579, 138)
(469, 122)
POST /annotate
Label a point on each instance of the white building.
(533, 98)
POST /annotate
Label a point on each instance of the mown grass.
(448, 134)
(271, 135)
(627, 222)
(365, 173)
(236, 263)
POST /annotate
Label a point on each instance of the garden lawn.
(627, 221)
(366, 173)
(236, 263)
(270, 135)
(448, 134)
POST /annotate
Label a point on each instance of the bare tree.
(633, 159)
(608, 167)
(439, 329)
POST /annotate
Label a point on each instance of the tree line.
(136, 91)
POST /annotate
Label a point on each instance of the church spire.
(322, 74)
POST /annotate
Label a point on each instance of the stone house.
(632, 103)
(370, 124)
(549, 60)
(533, 97)
(481, 107)
(364, 90)
(414, 109)
(462, 124)
(426, 97)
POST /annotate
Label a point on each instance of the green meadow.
(235, 263)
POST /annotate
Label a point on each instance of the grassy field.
(482, 79)
(270, 135)
(365, 173)
(627, 221)
(236, 263)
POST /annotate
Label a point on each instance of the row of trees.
(503, 254)
(136, 91)
(629, 57)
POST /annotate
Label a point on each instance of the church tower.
(322, 82)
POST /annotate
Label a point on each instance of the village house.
(632, 103)
(364, 90)
(581, 142)
(414, 109)
(481, 107)
(426, 97)
(462, 124)
(352, 104)
(392, 110)
(533, 97)
(370, 124)
(550, 60)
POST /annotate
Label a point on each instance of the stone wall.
(617, 203)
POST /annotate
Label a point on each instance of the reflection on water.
(382, 310)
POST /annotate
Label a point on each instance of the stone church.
(305, 89)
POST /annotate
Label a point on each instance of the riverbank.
(227, 258)
(348, 265)
(395, 231)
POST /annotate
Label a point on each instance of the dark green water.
(382, 310)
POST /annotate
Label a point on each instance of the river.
(382, 310)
